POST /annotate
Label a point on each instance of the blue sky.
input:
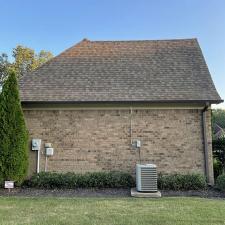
(56, 25)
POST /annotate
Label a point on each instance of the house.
(96, 99)
(219, 132)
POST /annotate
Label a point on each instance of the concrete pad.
(137, 194)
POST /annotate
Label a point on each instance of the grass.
(110, 211)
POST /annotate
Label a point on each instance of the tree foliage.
(219, 154)
(13, 133)
(25, 60)
(4, 65)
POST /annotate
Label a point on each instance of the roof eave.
(120, 101)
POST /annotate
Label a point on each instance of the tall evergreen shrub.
(13, 134)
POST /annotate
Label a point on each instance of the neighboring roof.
(108, 71)
(217, 128)
(219, 132)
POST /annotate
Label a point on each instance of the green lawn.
(109, 211)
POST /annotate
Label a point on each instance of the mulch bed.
(109, 192)
(80, 192)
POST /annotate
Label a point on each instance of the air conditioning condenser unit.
(146, 178)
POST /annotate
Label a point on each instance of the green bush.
(218, 146)
(13, 134)
(217, 167)
(220, 182)
(87, 180)
(112, 180)
(178, 182)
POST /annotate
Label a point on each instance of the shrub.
(112, 180)
(87, 180)
(220, 182)
(218, 146)
(217, 167)
(13, 134)
(181, 182)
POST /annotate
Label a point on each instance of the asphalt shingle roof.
(153, 71)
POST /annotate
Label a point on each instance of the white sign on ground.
(9, 184)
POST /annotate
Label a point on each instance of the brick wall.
(96, 140)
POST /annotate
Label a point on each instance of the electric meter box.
(36, 145)
(49, 151)
(136, 144)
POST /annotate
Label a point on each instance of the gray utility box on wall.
(36, 145)
(49, 151)
(146, 178)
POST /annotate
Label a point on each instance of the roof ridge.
(111, 41)
(117, 41)
(144, 40)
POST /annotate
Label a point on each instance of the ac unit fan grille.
(149, 179)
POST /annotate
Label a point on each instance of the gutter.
(205, 142)
(24, 102)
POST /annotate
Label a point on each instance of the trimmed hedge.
(112, 180)
(220, 182)
(178, 182)
(87, 180)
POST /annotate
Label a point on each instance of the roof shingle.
(153, 71)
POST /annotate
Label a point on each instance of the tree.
(13, 133)
(25, 60)
(219, 154)
(4, 65)
(43, 57)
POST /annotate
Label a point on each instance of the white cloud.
(218, 106)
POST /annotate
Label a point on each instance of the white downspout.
(131, 141)
(38, 161)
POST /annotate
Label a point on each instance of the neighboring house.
(96, 98)
(219, 132)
